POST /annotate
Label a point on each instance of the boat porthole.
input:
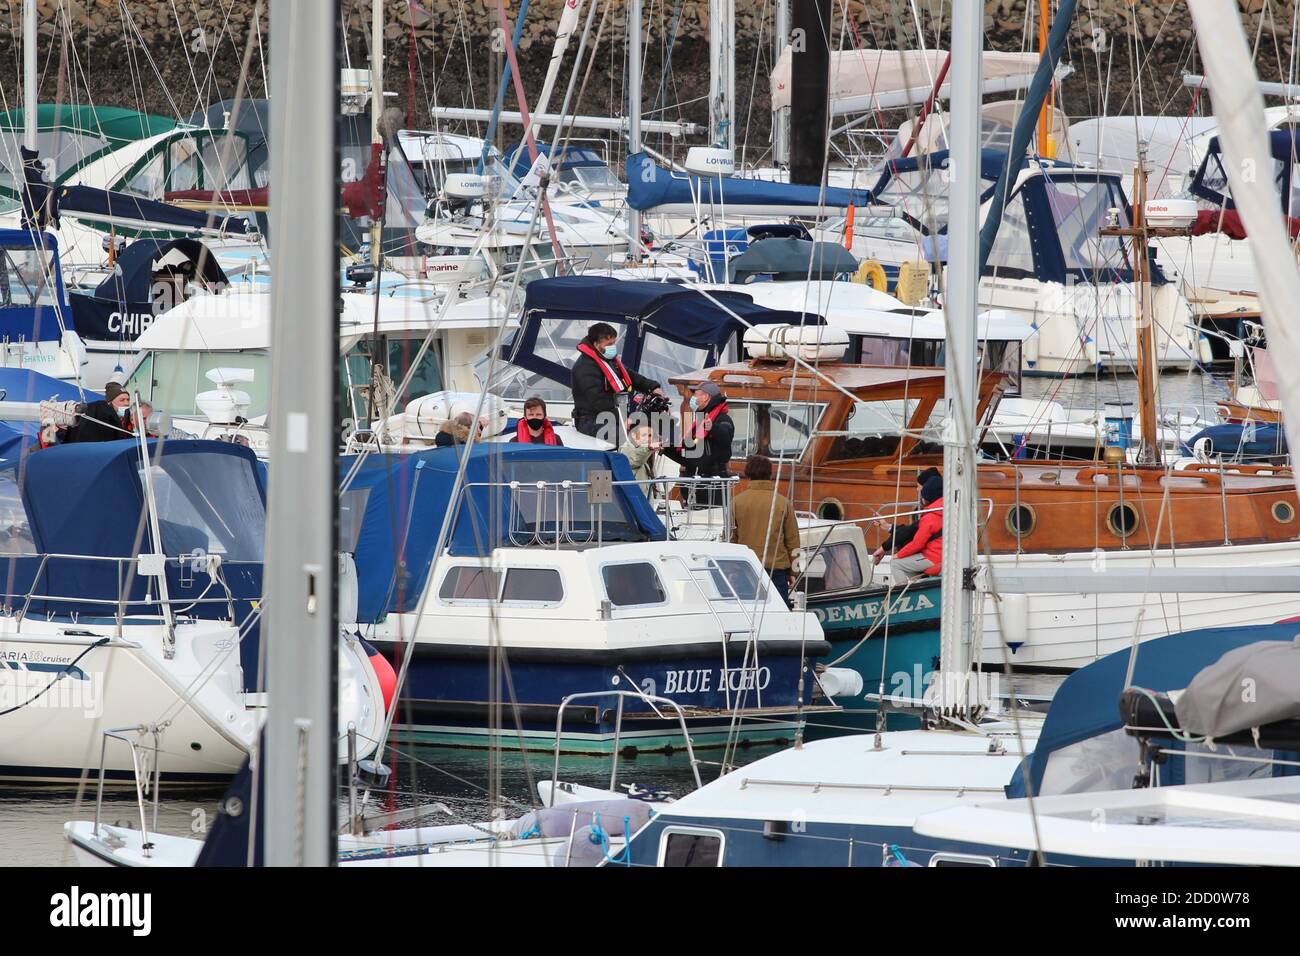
(1122, 520)
(1283, 512)
(832, 509)
(1021, 520)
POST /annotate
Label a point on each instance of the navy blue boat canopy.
(1211, 182)
(1083, 746)
(558, 311)
(86, 500)
(31, 286)
(569, 157)
(401, 501)
(122, 306)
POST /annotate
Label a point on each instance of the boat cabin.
(850, 439)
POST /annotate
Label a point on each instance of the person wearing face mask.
(600, 380)
(104, 420)
(535, 428)
(705, 451)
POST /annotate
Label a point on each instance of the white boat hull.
(1067, 631)
(194, 697)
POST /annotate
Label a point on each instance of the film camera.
(650, 404)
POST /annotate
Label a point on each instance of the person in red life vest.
(922, 555)
(600, 380)
(535, 428)
(705, 451)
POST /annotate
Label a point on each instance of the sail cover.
(650, 186)
(864, 80)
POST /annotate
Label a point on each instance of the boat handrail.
(704, 509)
(215, 571)
(638, 694)
(120, 733)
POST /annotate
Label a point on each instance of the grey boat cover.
(792, 260)
(1248, 687)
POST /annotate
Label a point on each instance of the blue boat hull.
(458, 695)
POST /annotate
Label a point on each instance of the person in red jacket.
(535, 428)
(922, 555)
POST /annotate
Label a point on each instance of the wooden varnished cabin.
(850, 445)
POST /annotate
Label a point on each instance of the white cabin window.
(15, 532)
(633, 585)
(26, 277)
(843, 570)
(776, 429)
(691, 847)
(208, 505)
(1012, 255)
(734, 579)
(533, 585)
(467, 583)
(662, 359)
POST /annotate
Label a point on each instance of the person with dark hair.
(900, 534)
(535, 428)
(600, 379)
(763, 519)
(921, 556)
(705, 451)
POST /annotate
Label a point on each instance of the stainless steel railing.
(570, 513)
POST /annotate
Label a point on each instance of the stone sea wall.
(170, 56)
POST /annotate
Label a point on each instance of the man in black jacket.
(599, 381)
(104, 420)
(705, 451)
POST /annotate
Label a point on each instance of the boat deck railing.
(20, 605)
(573, 513)
(144, 764)
(651, 700)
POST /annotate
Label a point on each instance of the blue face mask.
(695, 405)
(611, 351)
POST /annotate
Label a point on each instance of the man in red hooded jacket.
(922, 555)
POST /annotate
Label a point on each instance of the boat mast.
(300, 619)
(1046, 147)
(1149, 450)
(810, 64)
(1145, 358)
(781, 117)
(961, 380)
(376, 115)
(722, 73)
(1239, 109)
(634, 116)
(29, 74)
